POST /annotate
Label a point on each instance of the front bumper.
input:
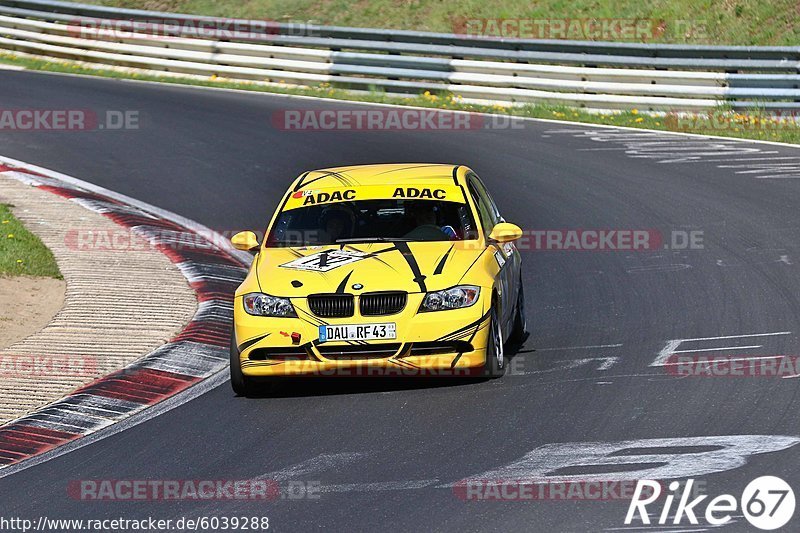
(442, 343)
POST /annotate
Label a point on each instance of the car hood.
(396, 266)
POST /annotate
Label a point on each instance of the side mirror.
(245, 240)
(505, 232)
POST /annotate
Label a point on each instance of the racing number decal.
(325, 261)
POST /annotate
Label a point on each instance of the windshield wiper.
(370, 239)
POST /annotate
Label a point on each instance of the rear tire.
(239, 382)
(494, 366)
(520, 331)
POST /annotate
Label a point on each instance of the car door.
(506, 253)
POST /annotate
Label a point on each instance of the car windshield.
(373, 220)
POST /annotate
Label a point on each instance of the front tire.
(494, 366)
(239, 382)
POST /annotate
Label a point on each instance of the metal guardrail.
(508, 71)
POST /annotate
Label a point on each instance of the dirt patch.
(27, 305)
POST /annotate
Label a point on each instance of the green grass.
(742, 22)
(749, 125)
(21, 252)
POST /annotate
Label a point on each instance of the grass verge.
(21, 252)
(735, 22)
(752, 124)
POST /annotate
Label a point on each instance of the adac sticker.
(325, 261)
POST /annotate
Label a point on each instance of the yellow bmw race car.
(379, 270)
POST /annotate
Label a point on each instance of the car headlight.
(259, 304)
(452, 298)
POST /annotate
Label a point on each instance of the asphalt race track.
(386, 453)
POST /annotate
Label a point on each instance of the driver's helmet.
(342, 212)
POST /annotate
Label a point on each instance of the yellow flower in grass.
(640, 119)
(10, 235)
(635, 111)
(6, 221)
(19, 261)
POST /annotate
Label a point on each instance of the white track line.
(754, 358)
(723, 348)
(665, 353)
(578, 347)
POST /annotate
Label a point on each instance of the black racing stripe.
(455, 174)
(346, 180)
(470, 266)
(313, 320)
(378, 259)
(442, 261)
(374, 255)
(471, 337)
(407, 168)
(308, 347)
(403, 363)
(405, 350)
(419, 279)
(300, 182)
(343, 285)
(338, 176)
(467, 327)
(248, 343)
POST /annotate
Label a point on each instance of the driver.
(426, 227)
(336, 222)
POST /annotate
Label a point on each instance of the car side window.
(483, 192)
(483, 206)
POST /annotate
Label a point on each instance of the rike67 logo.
(767, 503)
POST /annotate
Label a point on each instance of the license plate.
(358, 332)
